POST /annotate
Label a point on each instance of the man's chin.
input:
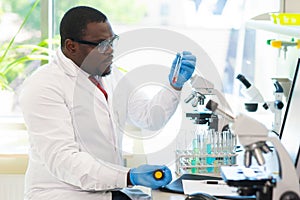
(106, 72)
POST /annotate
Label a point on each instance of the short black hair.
(75, 20)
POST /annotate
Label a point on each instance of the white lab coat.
(75, 148)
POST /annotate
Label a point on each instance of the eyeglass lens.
(103, 46)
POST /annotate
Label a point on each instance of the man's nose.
(109, 50)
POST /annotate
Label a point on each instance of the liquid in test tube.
(177, 69)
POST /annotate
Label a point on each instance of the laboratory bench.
(159, 195)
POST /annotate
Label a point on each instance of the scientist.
(75, 152)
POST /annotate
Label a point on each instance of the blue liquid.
(209, 160)
(194, 169)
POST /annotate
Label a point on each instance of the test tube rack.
(189, 161)
(210, 150)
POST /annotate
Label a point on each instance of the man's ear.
(70, 46)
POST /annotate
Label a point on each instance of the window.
(17, 16)
(20, 35)
(217, 26)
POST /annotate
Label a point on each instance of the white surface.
(293, 31)
(158, 195)
(194, 186)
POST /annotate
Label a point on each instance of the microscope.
(253, 135)
(200, 89)
(255, 97)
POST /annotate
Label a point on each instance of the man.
(75, 152)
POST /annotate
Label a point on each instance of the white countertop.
(158, 195)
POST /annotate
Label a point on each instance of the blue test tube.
(209, 160)
(195, 152)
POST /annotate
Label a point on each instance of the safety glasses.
(103, 45)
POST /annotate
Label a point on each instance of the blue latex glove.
(143, 175)
(187, 68)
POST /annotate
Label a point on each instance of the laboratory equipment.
(177, 69)
(283, 45)
(182, 69)
(276, 106)
(285, 18)
(210, 151)
(213, 145)
(250, 91)
(201, 88)
(253, 135)
(255, 97)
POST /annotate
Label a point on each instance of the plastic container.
(290, 19)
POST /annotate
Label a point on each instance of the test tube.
(177, 69)
(209, 160)
(202, 146)
(219, 146)
(193, 163)
(227, 146)
(180, 143)
(232, 150)
(215, 143)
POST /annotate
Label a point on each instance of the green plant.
(14, 59)
(17, 61)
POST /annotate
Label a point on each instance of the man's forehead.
(98, 29)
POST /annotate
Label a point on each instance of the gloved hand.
(187, 68)
(144, 176)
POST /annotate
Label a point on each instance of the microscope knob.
(265, 148)
(195, 102)
(265, 105)
(247, 158)
(278, 104)
(289, 195)
(201, 101)
(190, 97)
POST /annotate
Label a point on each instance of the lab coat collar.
(68, 66)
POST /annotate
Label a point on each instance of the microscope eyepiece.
(242, 78)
